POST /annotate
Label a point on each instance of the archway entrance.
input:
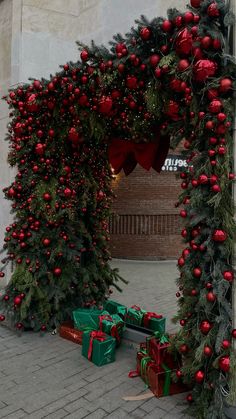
(166, 80)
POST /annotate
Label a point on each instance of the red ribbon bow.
(126, 154)
(148, 316)
(96, 334)
(136, 308)
(104, 317)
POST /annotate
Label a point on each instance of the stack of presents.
(100, 333)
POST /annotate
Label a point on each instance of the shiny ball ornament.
(17, 301)
(145, 34)
(2, 274)
(167, 26)
(189, 398)
(39, 149)
(46, 242)
(184, 42)
(216, 188)
(154, 60)
(211, 297)
(183, 214)
(219, 236)
(2, 317)
(188, 17)
(182, 322)
(57, 271)
(67, 192)
(225, 85)
(181, 262)
(226, 344)
(215, 106)
(179, 373)
(73, 135)
(47, 197)
(183, 348)
(207, 351)
(203, 69)
(203, 179)
(105, 105)
(19, 326)
(195, 3)
(132, 82)
(213, 10)
(43, 328)
(221, 117)
(205, 327)
(228, 276)
(6, 297)
(199, 376)
(224, 363)
(233, 333)
(84, 55)
(206, 42)
(183, 65)
(197, 272)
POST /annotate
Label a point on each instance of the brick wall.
(145, 224)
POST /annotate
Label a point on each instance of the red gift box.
(161, 383)
(68, 332)
(144, 361)
(157, 348)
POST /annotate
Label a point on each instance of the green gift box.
(154, 321)
(135, 315)
(112, 325)
(87, 318)
(115, 308)
(98, 347)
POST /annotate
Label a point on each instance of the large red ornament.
(211, 297)
(228, 276)
(145, 34)
(205, 326)
(195, 3)
(199, 376)
(167, 26)
(184, 42)
(225, 85)
(47, 197)
(57, 271)
(204, 69)
(105, 105)
(219, 236)
(197, 272)
(213, 10)
(183, 65)
(17, 300)
(226, 344)
(67, 192)
(215, 106)
(233, 333)
(84, 55)
(224, 363)
(206, 42)
(207, 351)
(181, 262)
(46, 242)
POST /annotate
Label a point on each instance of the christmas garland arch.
(166, 79)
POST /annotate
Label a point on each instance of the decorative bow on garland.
(96, 334)
(126, 154)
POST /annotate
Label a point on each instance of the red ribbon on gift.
(148, 316)
(114, 329)
(126, 154)
(104, 317)
(136, 308)
(96, 334)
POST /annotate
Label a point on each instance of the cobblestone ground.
(46, 376)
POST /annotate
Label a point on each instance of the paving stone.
(138, 414)
(58, 414)
(75, 395)
(78, 414)
(117, 414)
(99, 413)
(16, 415)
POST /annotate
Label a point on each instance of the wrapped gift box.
(135, 315)
(87, 318)
(144, 361)
(113, 325)
(157, 348)
(67, 331)
(98, 347)
(161, 383)
(154, 321)
(115, 308)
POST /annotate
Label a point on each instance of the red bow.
(104, 317)
(148, 316)
(137, 308)
(96, 334)
(126, 154)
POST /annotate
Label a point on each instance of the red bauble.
(172, 110)
(183, 213)
(206, 42)
(233, 333)
(182, 322)
(195, 3)
(167, 26)
(184, 233)
(184, 42)
(211, 297)
(183, 65)
(47, 197)
(213, 10)
(19, 326)
(203, 179)
(199, 376)
(225, 85)
(205, 327)
(216, 43)
(6, 297)
(228, 276)
(216, 188)
(179, 373)
(132, 82)
(221, 117)
(2, 274)
(204, 69)
(105, 105)
(57, 271)
(194, 293)
(84, 55)
(154, 60)
(189, 398)
(46, 242)
(39, 149)
(43, 328)
(197, 272)
(222, 150)
(207, 351)
(210, 125)
(73, 135)
(145, 34)
(188, 17)
(224, 363)
(226, 344)
(219, 236)
(181, 262)
(215, 106)
(2, 317)
(67, 192)
(183, 348)
(17, 300)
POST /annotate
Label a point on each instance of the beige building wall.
(36, 36)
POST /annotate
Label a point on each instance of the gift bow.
(114, 328)
(104, 317)
(161, 337)
(148, 316)
(96, 334)
(126, 154)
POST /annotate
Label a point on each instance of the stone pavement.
(47, 377)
